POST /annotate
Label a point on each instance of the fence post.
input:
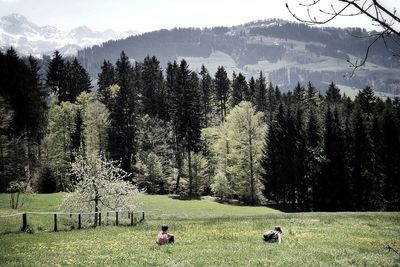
(142, 215)
(116, 218)
(100, 219)
(24, 222)
(79, 221)
(55, 222)
(131, 214)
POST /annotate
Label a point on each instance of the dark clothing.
(272, 236)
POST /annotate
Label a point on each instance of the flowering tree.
(100, 184)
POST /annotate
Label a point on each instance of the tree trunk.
(222, 111)
(190, 173)
(96, 209)
(178, 162)
(252, 185)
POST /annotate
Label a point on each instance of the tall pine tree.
(122, 135)
(206, 96)
(222, 90)
(105, 79)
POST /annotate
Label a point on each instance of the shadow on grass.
(183, 197)
(284, 208)
(236, 202)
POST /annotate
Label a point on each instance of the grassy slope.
(324, 63)
(210, 234)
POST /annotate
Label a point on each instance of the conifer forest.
(177, 131)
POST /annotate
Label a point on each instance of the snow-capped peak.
(15, 18)
(28, 38)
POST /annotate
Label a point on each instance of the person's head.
(278, 229)
(164, 228)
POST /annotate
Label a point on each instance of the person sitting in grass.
(164, 237)
(274, 236)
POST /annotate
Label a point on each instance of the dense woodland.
(192, 134)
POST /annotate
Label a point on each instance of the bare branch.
(391, 14)
(379, 15)
(381, 21)
(314, 2)
(314, 22)
(356, 65)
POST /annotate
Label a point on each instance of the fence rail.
(55, 221)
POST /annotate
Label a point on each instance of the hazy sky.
(148, 15)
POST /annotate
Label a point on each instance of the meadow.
(208, 233)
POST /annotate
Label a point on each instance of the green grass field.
(209, 234)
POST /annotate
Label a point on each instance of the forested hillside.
(286, 52)
(196, 133)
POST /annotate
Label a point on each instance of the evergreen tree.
(162, 100)
(172, 96)
(376, 199)
(174, 100)
(151, 85)
(77, 135)
(314, 158)
(36, 111)
(76, 81)
(299, 94)
(37, 108)
(271, 103)
(222, 88)
(105, 79)
(206, 96)
(362, 164)
(301, 183)
(333, 93)
(122, 135)
(278, 94)
(189, 121)
(333, 186)
(391, 159)
(365, 100)
(25, 99)
(68, 80)
(312, 95)
(56, 73)
(251, 95)
(289, 155)
(272, 160)
(261, 93)
(6, 115)
(239, 89)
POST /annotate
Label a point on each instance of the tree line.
(333, 153)
(192, 134)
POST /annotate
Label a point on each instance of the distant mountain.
(286, 52)
(28, 38)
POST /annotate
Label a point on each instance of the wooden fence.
(55, 221)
